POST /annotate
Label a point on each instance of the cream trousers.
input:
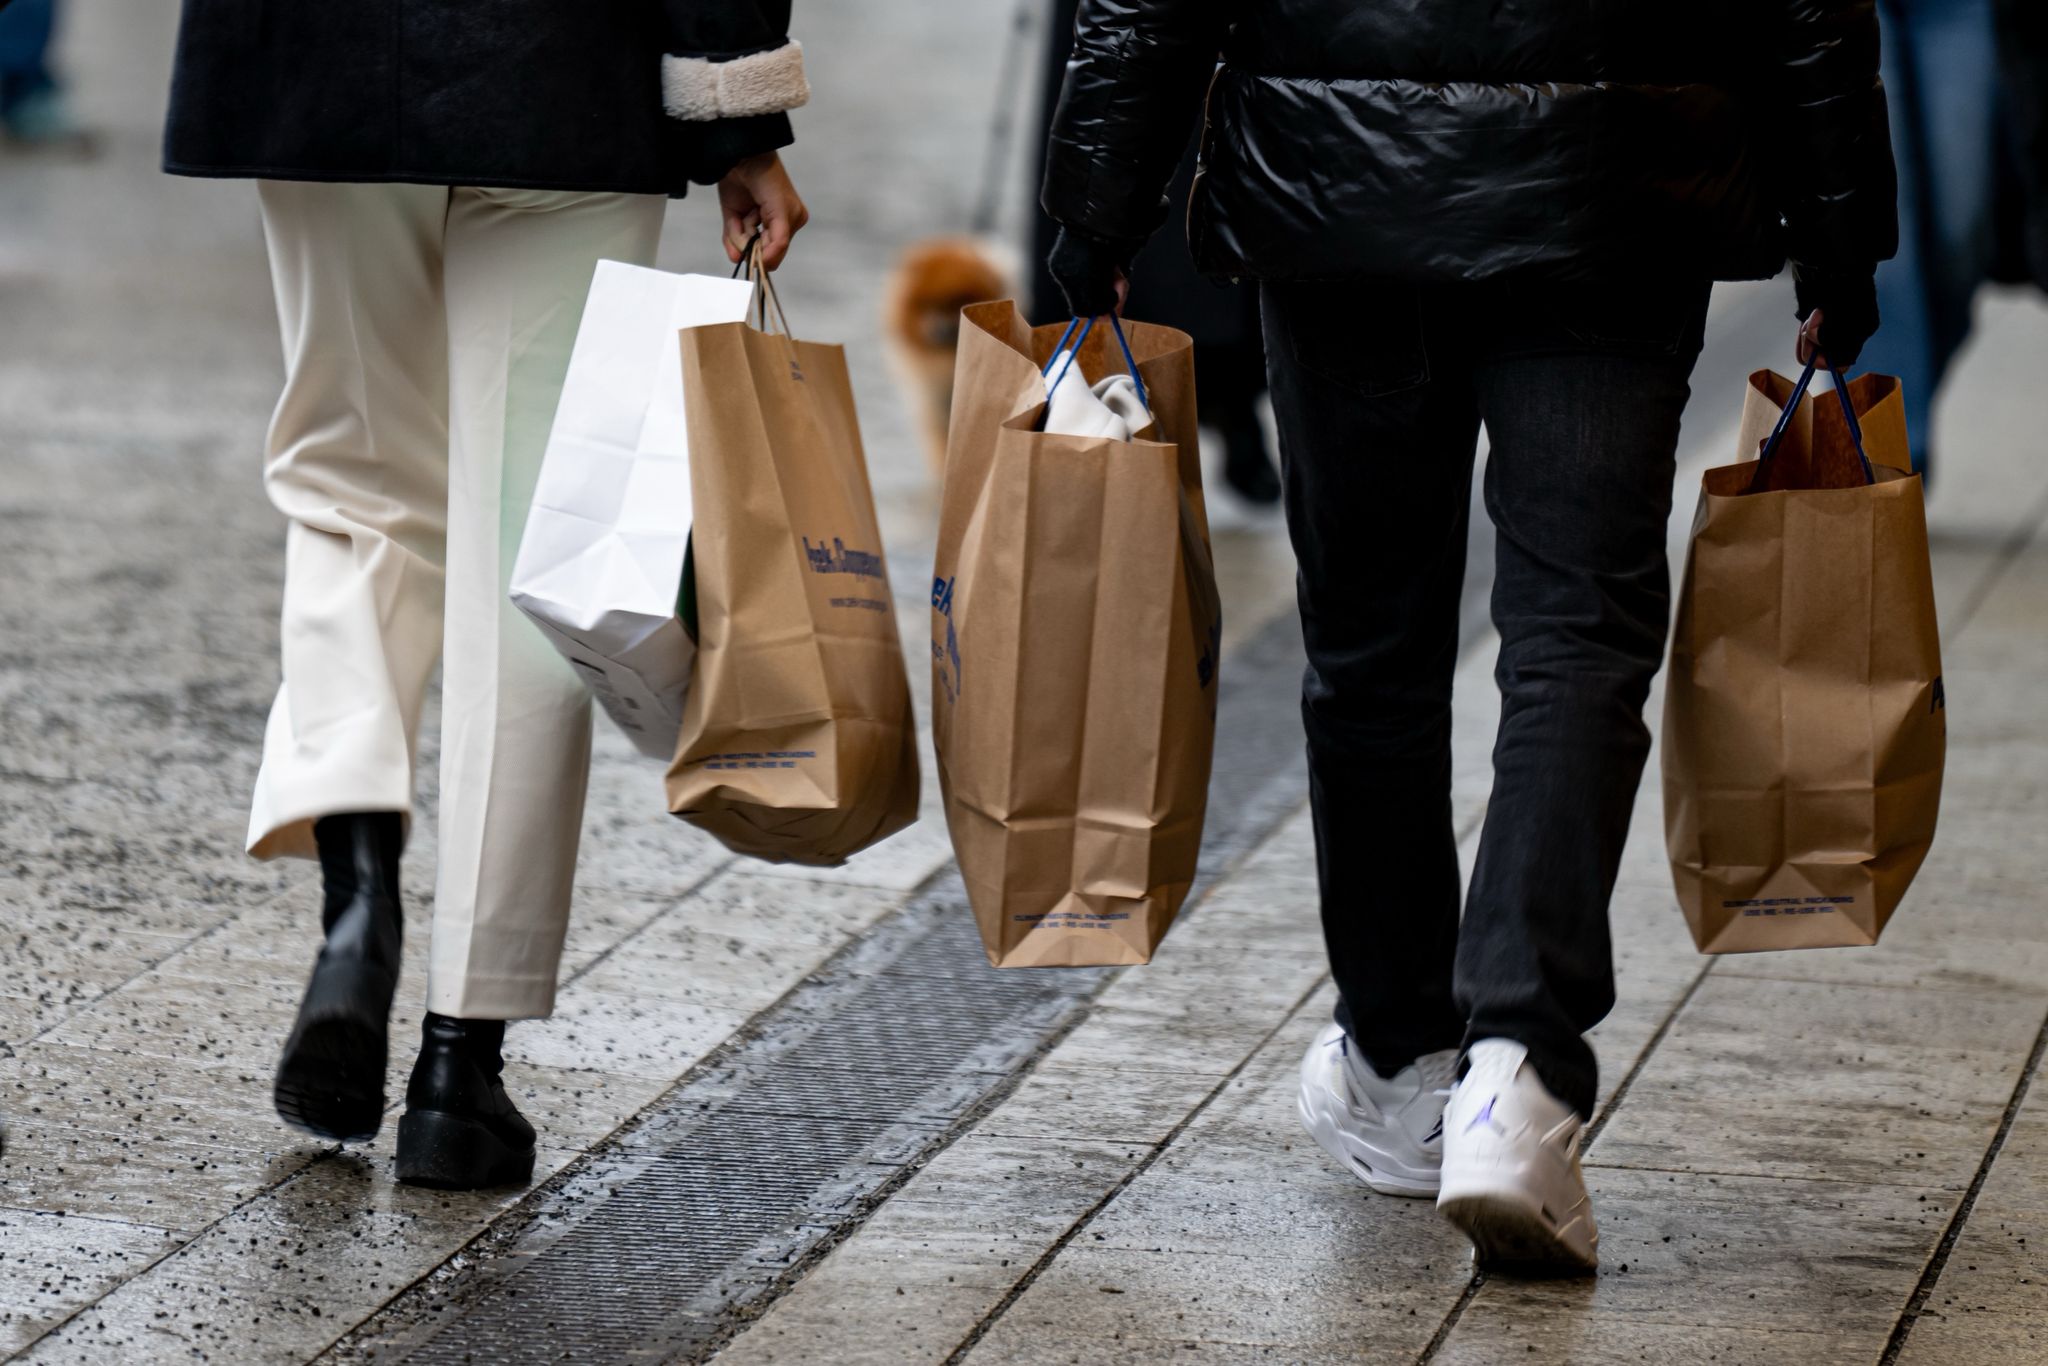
(426, 334)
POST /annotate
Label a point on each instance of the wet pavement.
(1814, 1157)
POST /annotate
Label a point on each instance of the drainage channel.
(672, 1236)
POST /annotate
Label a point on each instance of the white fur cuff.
(698, 89)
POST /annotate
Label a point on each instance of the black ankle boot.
(330, 1081)
(460, 1130)
(1247, 464)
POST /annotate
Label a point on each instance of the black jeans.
(1380, 390)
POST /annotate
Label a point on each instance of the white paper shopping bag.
(601, 562)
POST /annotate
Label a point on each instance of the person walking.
(1463, 215)
(1951, 132)
(437, 182)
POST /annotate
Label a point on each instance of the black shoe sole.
(330, 1081)
(450, 1153)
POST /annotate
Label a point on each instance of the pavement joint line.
(1450, 1323)
(1959, 988)
(43, 780)
(1138, 1169)
(7, 1050)
(183, 1242)
(1796, 1178)
(1643, 1056)
(92, 1219)
(1930, 1276)
(717, 870)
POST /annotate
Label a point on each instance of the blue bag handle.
(1087, 325)
(1770, 449)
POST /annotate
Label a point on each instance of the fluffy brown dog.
(932, 282)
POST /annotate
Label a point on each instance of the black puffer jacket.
(640, 96)
(1473, 139)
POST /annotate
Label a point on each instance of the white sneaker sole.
(1512, 1232)
(1390, 1179)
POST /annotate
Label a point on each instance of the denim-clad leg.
(1377, 442)
(1583, 423)
(1581, 390)
(1939, 60)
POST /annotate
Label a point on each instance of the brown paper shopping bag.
(798, 742)
(1804, 720)
(1074, 639)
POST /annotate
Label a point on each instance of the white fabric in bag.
(601, 561)
(1110, 407)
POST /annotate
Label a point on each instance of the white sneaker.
(1511, 1176)
(1388, 1131)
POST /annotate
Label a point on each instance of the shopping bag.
(1075, 627)
(798, 743)
(600, 564)
(1804, 720)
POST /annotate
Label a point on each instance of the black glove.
(1848, 305)
(1085, 266)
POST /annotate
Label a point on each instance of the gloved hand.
(1848, 308)
(1088, 269)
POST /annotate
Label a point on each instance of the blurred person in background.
(1952, 138)
(2023, 60)
(1221, 316)
(437, 182)
(34, 113)
(1465, 214)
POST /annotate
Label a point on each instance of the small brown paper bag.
(1075, 624)
(1804, 720)
(798, 743)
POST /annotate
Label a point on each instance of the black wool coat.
(542, 94)
(1447, 140)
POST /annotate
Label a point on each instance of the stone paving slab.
(1834, 1082)
(54, 1264)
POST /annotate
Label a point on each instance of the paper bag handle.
(1770, 447)
(1087, 325)
(764, 285)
